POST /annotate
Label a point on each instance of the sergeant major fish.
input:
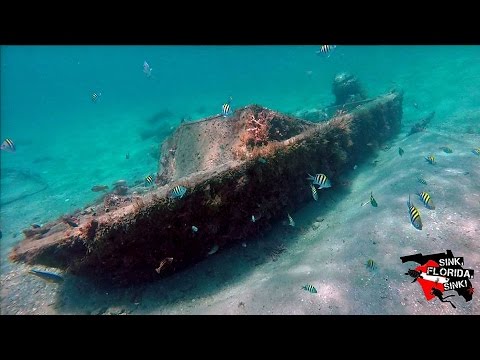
(421, 181)
(370, 264)
(227, 108)
(431, 159)
(326, 49)
(8, 146)
(148, 180)
(414, 215)
(314, 192)
(426, 199)
(446, 149)
(476, 151)
(96, 96)
(309, 288)
(178, 192)
(320, 180)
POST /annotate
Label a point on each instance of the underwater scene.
(240, 180)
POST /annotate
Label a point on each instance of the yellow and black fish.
(226, 110)
(372, 200)
(326, 49)
(476, 151)
(309, 288)
(431, 159)
(421, 181)
(178, 192)
(370, 264)
(400, 151)
(8, 146)
(96, 96)
(148, 180)
(446, 149)
(426, 199)
(314, 192)
(414, 215)
(321, 180)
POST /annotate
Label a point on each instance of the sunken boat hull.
(231, 171)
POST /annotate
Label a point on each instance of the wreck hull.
(127, 245)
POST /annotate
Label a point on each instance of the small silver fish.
(213, 250)
(290, 220)
(253, 218)
(98, 188)
(163, 264)
(47, 276)
(147, 70)
(194, 228)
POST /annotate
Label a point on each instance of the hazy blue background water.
(71, 143)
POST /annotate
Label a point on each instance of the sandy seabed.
(328, 248)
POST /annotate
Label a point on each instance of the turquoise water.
(68, 142)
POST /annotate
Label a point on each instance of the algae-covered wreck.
(249, 166)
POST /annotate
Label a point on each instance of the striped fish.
(446, 149)
(421, 181)
(321, 180)
(372, 200)
(178, 192)
(95, 97)
(431, 159)
(309, 288)
(414, 215)
(326, 49)
(148, 180)
(370, 264)
(8, 146)
(476, 151)
(226, 110)
(427, 201)
(290, 220)
(47, 276)
(314, 192)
